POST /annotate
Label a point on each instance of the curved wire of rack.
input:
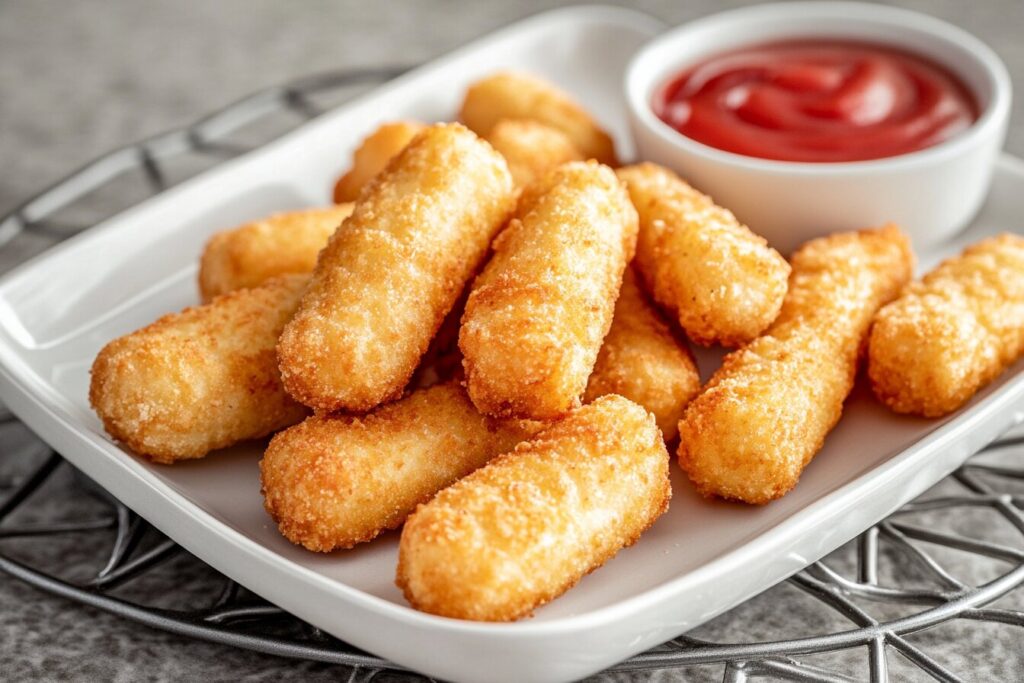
(233, 617)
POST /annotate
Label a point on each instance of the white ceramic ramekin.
(932, 193)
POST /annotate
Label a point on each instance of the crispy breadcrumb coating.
(390, 274)
(373, 155)
(529, 525)
(537, 314)
(255, 252)
(201, 379)
(642, 360)
(334, 481)
(765, 413)
(723, 283)
(953, 332)
(531, 148)
(511, 95)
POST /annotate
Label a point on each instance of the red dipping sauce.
(817, 101)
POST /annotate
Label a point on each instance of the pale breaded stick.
(201, 379)
(373, 155)
(278, 245)
(642, 360)
(537, 314)
(388, 276)
(953, 332)
(723, 283)
(527, 526)
(333, 482)
(765, 413)
(510, 95)
(531, 148)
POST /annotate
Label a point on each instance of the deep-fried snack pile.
(278, 245)
(201, 379)
(503, 541)
(765, 413)
(502, 251)
(953, 332)
(394, 269)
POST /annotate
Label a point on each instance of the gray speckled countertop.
(79, 78)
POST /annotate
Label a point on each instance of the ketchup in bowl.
(817, 101)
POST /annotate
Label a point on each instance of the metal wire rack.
(876, 593)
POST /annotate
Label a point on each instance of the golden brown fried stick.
(723, 283)
(765, 413)
(388, 276)
(642, 360)
(333, 482)
(255, 252)
(526, 527)
(510, 95)
(373, 155)
(953, 332)
(537, 314)
(531, 148)
(201, 379)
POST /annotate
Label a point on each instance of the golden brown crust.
(511, 95)
(642, 360)
(529, 525)
(765, 413)
(333, 482)
(387, 278)
(373, 155)
(531, 148)
(723, 283)
(201, 379)
(277, 245)
(537, 314)
(953, 332)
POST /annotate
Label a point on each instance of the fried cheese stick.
(537, 314)
(201, 379)
(765, 413)
(255, 252)
(643, 361)
(391, 273)
(373, 155)
(335, 481)
(722, 282)
(529, 525)
(953, 332)
(531, 148)
(510, 95)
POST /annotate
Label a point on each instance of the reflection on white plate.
(698, 560)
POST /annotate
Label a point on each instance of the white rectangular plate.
(700, 559)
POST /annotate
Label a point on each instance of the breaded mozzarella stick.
(373, 155)
(334, 481)
(531, 148)
(953, 332)
(765, 413)
(526, 527)
(255, 252)
(722, 282)
(537, 314)
(642, 360)
(510, 95)
(202, 379)
(388, 276)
